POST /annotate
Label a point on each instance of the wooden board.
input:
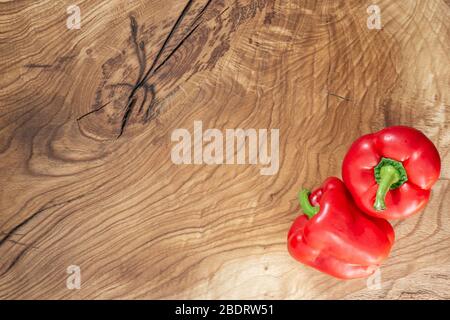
(86, 176)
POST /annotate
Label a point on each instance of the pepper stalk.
(389, 174)
(305, 204)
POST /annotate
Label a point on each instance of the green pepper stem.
(389, 175)
(307, 208)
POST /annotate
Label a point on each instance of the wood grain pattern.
(86, 117)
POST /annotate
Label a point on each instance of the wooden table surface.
(86, 176)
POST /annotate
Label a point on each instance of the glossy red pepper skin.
(339, 240)
(408, 146)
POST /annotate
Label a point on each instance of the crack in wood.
(13, 231)
(166, 41)
(57, 64)
(201, 12)
(126, 116)
(93, 111)
(339, 96)
(18, 257)
(21, 244)
(144, 76)
(176, 48)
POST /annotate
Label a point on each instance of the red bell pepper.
(335, 237)
(390, 172)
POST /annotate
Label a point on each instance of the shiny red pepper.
(390, 172)
(335, 237)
